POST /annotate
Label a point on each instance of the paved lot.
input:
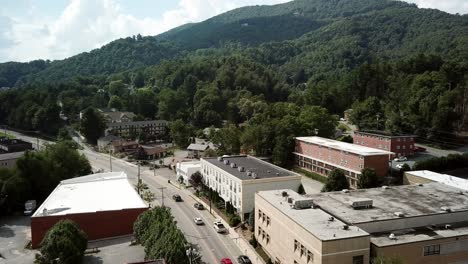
(117, 250)
(14, 235)
(311, 186)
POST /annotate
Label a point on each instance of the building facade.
(417, 224)
(14, 145)
(186, 169)
(104, 205)
(237, 178)
(321, 155)
(401, 145)
(135, 128)
(8, 160)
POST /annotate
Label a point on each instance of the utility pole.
(162, 195)
(110, 159)
(139, 180)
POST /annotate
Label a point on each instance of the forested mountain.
(282, 71)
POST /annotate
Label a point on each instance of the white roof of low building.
(344, 146)
(92, 193)
(185, 165)
(442, 178)
(11, 156)
(199, 147)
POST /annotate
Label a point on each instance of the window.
(297, 245)
(259, 231)
(404, 147)
(268, 238)
(268, 220)
(259, 214)
(397, 147)
(358, 259)
(303, 250)
(263, 234)
(310, 257)
(431, 250)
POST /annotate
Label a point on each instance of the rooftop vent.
(446, 209)
(392, 236)
(361, 203)
(220, 158)
(240, 169)
(44, 212)
(385, 187)
(399, 214)
(345, 191)
(290, 200)
(304, 204)
(284, 194)
(447, 226)
(233, 165)
(226, 162)
(420, 184)
(346, 227)
(331, 219)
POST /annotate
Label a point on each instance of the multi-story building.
(186, 169)
(321, 155)
(134, 128)
(401, 145)
(418, 224)
(237, 178)
(14, 145)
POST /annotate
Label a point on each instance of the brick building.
(401, 145)
(321, 155)
(103, 205)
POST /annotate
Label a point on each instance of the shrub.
(253, 242)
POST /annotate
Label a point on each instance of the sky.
(57, 29)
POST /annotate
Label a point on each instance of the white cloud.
(87, 24)
(450, 6)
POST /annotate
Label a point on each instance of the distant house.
(104, 143)
(118, 117)
(151, 152)
(8, 160)
(124, 146)
(134, 128)
(14, 145)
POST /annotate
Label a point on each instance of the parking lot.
(14, 235)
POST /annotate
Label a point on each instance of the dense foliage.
(368, 179)
(157, 231)
(38, 173)
(336, 181)
(92, 125)
(440, 164)
(64, 243)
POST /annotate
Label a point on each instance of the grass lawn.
(6, 135)
(311, 175)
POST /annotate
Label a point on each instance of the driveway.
(15, 233)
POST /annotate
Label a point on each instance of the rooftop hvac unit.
(233, 165)
(345, 191)
(284, 194)
(446, 209)
(346, 227)
(400, 214)
(385, 187)
(240, 169)
(290, 200)
(226, 162)
(331, 219)
(220, 158)
(304, 204)
(361, 203)
(392, 236)
(447, 226)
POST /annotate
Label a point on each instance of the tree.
(196, 180)
(115, 102)
(138, 79)
(117, 88)
(227, 139)
(368, 179)
(301, 190)
(64, 243)
(181, 133)
(336, 181)
(368, 114)
(92, 125)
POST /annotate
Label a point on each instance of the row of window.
(303, 252)
(431, 250)
(262, 216)
(263, 235)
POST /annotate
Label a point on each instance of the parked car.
(226, 261)
(199, 206)
(400, 159)
(400, 166)
(244, 260)
(198, 221)
(177, 198)
(219, 227)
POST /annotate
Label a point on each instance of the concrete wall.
(283, 231)
(409, 179)
(96, 225)
(378, 163)
(452, 250)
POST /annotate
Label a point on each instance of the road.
(213, 246)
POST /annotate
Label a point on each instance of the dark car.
(177, 198)
(244, 260)
(199, 206)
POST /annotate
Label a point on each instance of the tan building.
(8, 160)
(419, 224)
(425, 176)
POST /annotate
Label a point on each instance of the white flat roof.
(185, 165)
(315, 221)
(442, 178)
(344, 146)
(92, 193)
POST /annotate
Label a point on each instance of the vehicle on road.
(198, 221)
(219, 227)
(242, 259)
(177, 198)
(29, 207)
(400, 166)
(226, 261)
(199, 206)
(400, 159)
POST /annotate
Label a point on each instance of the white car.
(219, 227)
(198, 221)
(402, 158)
(400, 166)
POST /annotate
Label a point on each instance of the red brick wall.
(96, 225)
(401, 146)
(378, 163)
